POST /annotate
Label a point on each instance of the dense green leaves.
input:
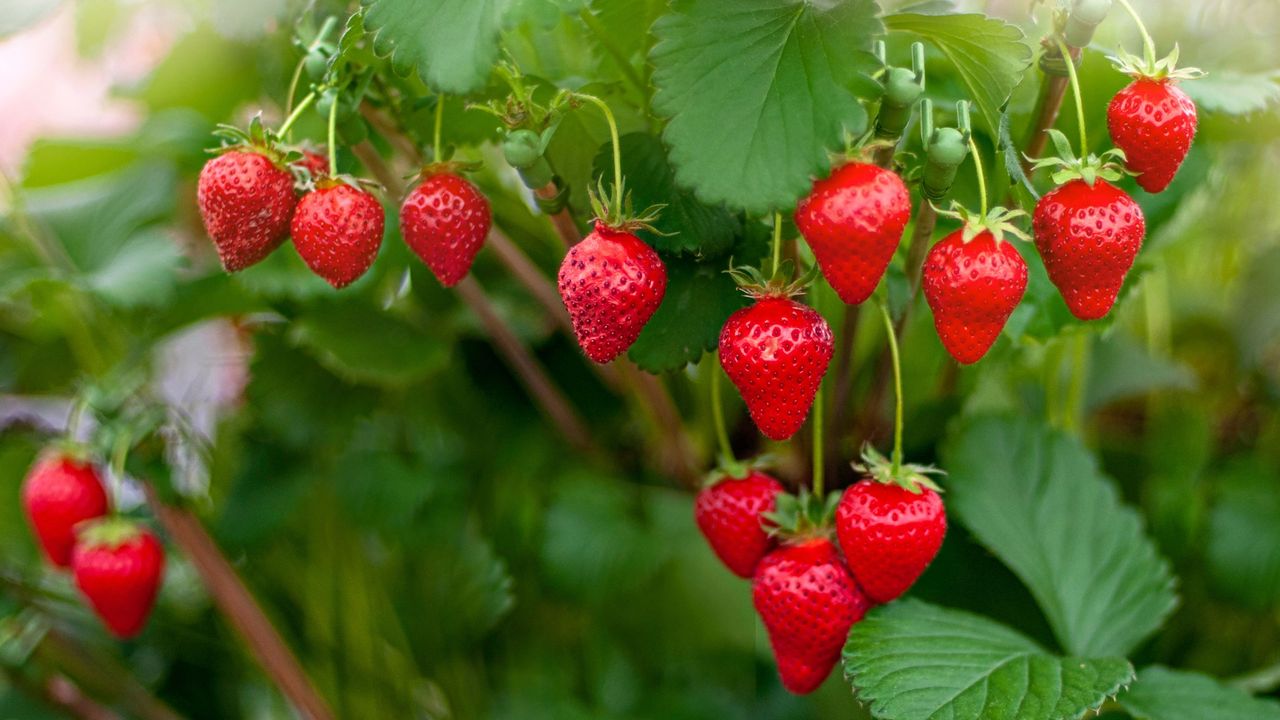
(757, 92)
(699, 298)
(914, 661)
(452, 44)
(1164, 694)
(1035, 498)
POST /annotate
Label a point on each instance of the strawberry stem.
(982, 176)
(777, 243)
(1148, 46)
(897, 377)
(1075, 91)
(321, 36)
(1075, 390)
(297, 113)
(333, 134)
(435, 137)
(717, 416)
(613, 138)
(819, 462)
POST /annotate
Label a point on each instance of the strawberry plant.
(632, 359)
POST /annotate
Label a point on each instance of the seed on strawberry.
(889, 535)
(972, 288)
(337, 230)
(246, 201)
(445, 220)
(853, 221)
(59, 493)
(117, 566)
(1154, 122)
(729, 515)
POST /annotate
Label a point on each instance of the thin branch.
(563, 222)
(1052, 91)
(102, 676)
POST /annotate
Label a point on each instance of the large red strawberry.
(445, 220)
(729, 515)
(611, 284)
(246, 201)
(890, 527)
(59, 493)
(1153, 122)
(117, 566)
(776, 351)
(1088, 236)
(853, 221)
(337, 230)
(808, 601)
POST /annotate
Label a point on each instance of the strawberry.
(337, 230)
(611, 284)
(890, 526)
(729, 515)
(58, 493)
(445, 220)
(1088, 236)
(315, 163)
(1153, 122)
(808, 601)
(853, 221)
(973, 280)
(246, 200)
(117, 566)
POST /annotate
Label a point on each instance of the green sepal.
(624, 218)
(731, 469)
(752, 282)
(110, 532)
(1149, 68)
(908, 476)
(998, 221)
(72, 449)
(803, 515)
(1108, 166)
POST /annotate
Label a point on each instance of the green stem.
(818, 460)
(1053, 382)
(333, 135)
(321, 36)
(982, 176)
(897, 382)
(1075, 90)
(1148, 46)
(297, 113)
(717, 415)
(1075, 391)
(617, 146)
(435, 138)
(777, 243)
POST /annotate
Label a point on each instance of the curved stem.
(818, 459)
(321, 36)
(435, 137)
(897, 379)
(1075, 90)
(293, 89)
(982, 176)
(1148, 46)
(297, 113)
(777, 243)
(333, 134)
(617, 146)
(717, 416)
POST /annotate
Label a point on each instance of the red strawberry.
(853, 221)
(728, 514)
(889, 535)
(972, 287)
(776, 352)
(1088, 237)
(246, 201)
(60, 492)
(337, 231)
(445, 220)
(1153, 122)
(808, 601)
(315, 163)
(117, 567)
(611, 283)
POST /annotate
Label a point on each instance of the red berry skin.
(57, 494)
(889, 535)
(337, 230)
(121, 582)
(445, 220)
(611, 284)
(1088, 238)
(972, 289)
(776, 352)
(853, 221)
(1153, 122)
(808, 601)
(728, 514)
(315, 163)
(246, 202)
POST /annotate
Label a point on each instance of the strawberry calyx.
(1164, 70)
(731, 469)
(908, 476)
(620, 216)
(361, 184)
(446, 167)
(998, 221)
(257, 138)
(110, 532)
(803, 516)
(68, 448)
(752, 282)
(1108, 166)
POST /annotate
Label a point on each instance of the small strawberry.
(1152, 120)
(315, 163)
(973, 280)
(246, 200)
(729, 512)
(890, 526)
(337, 230)
(853, 221)
(58, 493)
(117, 566)
(445, 220)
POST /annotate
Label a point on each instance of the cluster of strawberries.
(116, 563)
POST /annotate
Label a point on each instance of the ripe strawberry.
(1088, 237)
(808, 601)
(445, 220)
(117, 567)
(973, 280)
(776, 352)
(337, 230)
(315, 163)
(729, 515)
(58, 493)
(1153, 122)
(246, 201)
(611, 283)
(853, 221)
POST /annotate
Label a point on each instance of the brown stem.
(387, 129)
(1052, 91)
(102, 676)
(370, 158)
(528, 275)
(676, 454)
(236, 603)
(565, 227)
(921, 234)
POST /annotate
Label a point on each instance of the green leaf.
(686, 225)
(1164, 694)
(1244, 535)
(1234, 93)
(989, 54)
(911, 660)
(758, 92)
(1036, 499)
(452, 44)
(365, 345)
(699, 298)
